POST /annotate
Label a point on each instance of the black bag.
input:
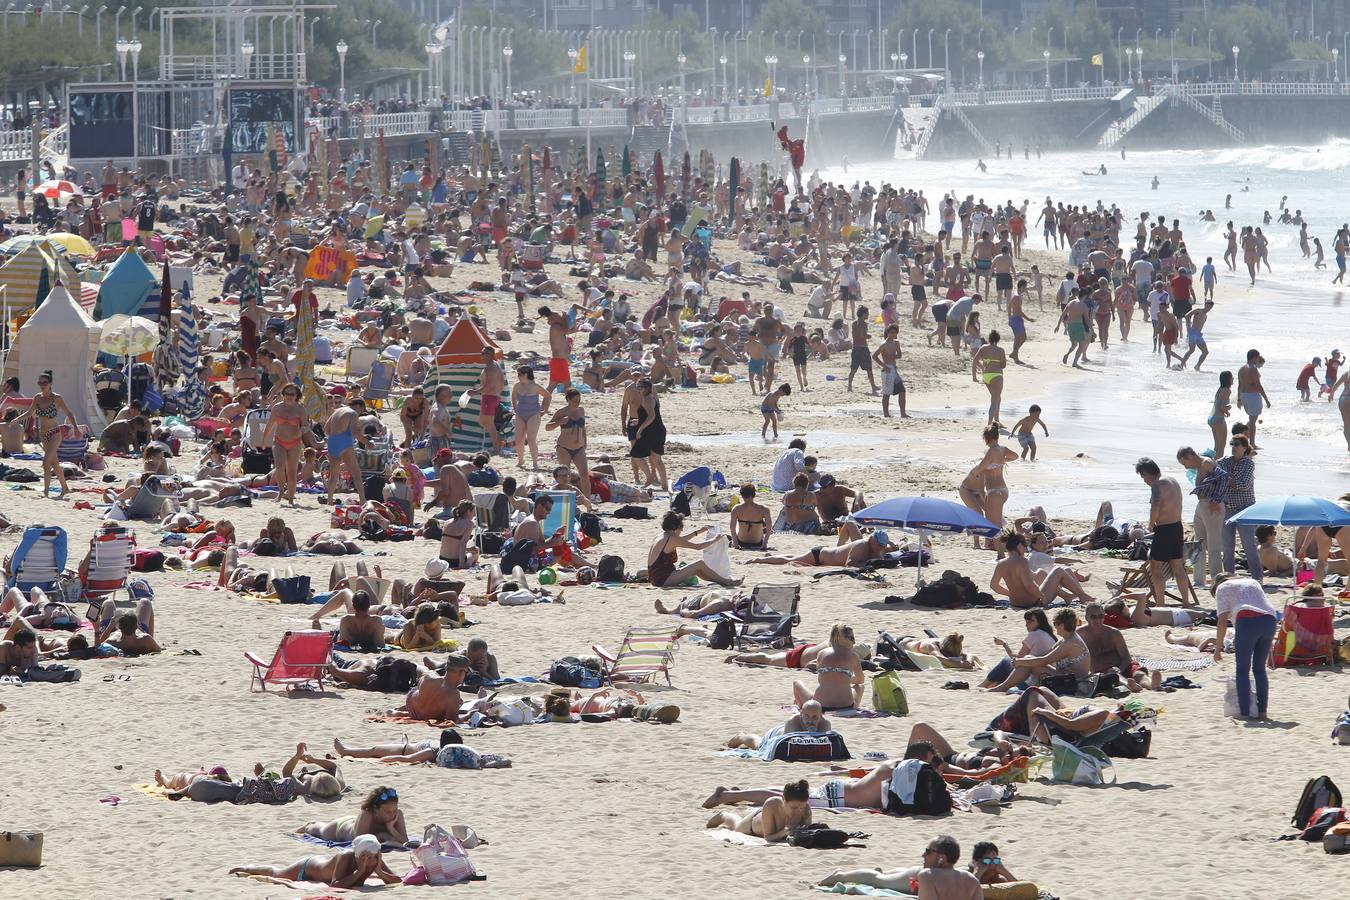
(519, 553)
(431, 530)
(393, 675)
(610, 570)
(892, 656)
(292, 590)
(492, 542)
(826, 747)
(1317, 793)
(931, 796)
(632, 512)
(590, 526)
(680, 504)
(266, 547)
(819, 836)
(1130, 745)
(256, 462)
(937, 595)
(1064, 684)
(723, 635)
(571, 672)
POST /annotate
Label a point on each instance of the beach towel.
(156, 791)
(1163, 664)
(444, 645)
(339, 845)
(745, 840)
(307, 886)
(861, 890)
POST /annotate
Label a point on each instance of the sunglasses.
(991, 861)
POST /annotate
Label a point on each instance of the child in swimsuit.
(769, 407)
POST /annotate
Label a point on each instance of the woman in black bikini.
(413, 415)
(649, 436)
(570, 423)
(663, 560)
(839, 675)
(46, 410)
(750, 528)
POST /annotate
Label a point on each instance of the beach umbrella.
(193, 394)
(923, 515)
(627, 166)
(734, 177)
(71, 243)
(250, 295)
(685, 174)
(382, 164)
(227, 155)
(527, 170)
(1294, 511)
(548, 180)
(56, 190)
(44, 287)
(659, 176)
(166, 363)
(128, 335)
(600, 175)
(304, 341)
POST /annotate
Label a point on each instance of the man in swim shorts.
(1251, 393)
(491, 383)
(1169, 535)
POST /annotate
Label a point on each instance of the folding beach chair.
(302, 658)
(1306, 637)
(359, 361)
(492, 515)
(562, 515)
(379, 383)
(644, 654)
(39, 559)
(1136, 577)
(110, 553)
(74, 444)
(770, 616)
(148, 504)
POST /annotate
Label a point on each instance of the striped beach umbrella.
(193, 394)
(659, 176)
(527, 168)
(304, 355)
(166, 363)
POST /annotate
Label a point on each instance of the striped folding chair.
(38, 560)
(644, 654)
(110, 554)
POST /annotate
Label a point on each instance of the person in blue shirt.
(1208, 277)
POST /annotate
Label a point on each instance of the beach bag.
(1322, 821)
(21, 848)
(931, 795)
(888, 695)
(1079, 765)
(443, 858)
(1130, 744)
(717, 558)
(1318, 793)
(819, 836)
(811, 748)
(491, 542)
(256, 462)
(590, 526)
(292, 590)
(632, 512)
(1230, 699)
(570, 672)
(610, 570)
(723, 635)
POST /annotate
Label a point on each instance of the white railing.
(827, 107)
(603, 118)
(209, 67)
(56, 143)
(354, 126)
(1223, 124)
(1143, 106)
(16, 145)
(964, 119)
(1267, 88)
(757, 113)
(701, 115)
(543, 118)
(199, 140)
(868, 104)
(927, 135)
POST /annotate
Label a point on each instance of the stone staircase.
(1213, 113)
(1143, 108)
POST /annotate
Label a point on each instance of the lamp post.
(628, 57)
(1118, 31)
(772, 62)
(1336, 64)
(1129, 61)
(1173, 50)
(1139, 59)
(895, 59)
(572, 54)
(245, 49)
(979, 55)
(312, 22)
(1209, 54)
(98, 26)
(843, 90)
(680, 60)
(342, 70)
(723, 60)
(930, 47)
(433, 49)
(806, 72)
(122, 47)
(508, 51)
(946, 58)
(1045, 54)
(1236, 78)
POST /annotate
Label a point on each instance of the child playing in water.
(1039, 284)
(1025, 430)
(1208, 276)
(754, 352)
(769, 407)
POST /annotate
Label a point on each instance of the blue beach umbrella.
(1293, 510)
(925, 514)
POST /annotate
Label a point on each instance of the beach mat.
(1163, 664)
(155, 791)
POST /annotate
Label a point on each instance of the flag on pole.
(768, 87)
(1097, 59)
(579, 67)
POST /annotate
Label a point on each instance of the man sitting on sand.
(358, 629)
(129, 638)
(937, 878)
(1107, 651)
(853, 550)
(1014, 579)
(811, 720)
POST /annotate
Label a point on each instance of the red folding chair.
(111, 551)
(302, 657)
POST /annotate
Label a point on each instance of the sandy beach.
(614, 809)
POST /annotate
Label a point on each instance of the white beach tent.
(60, 336)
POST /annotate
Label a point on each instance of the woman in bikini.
(839, 675)
(570, 423)
(46, 411)
(800, 514)
(773, 820)
(286, 433)
(1343, 385)
(457, 546)
(1070, 656)
(663, 560)
(987, 365)
(379, 817)
(996, 456)
(750, 528)
(414, 415)
(348, 868)
(528, 403)
(1223, 405)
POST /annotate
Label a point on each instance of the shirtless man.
(860, 358)
(771, 333)
(341, 431)
(436, 698)
(852, 553)
(1076, 322)
(887, 356)
(983, 255)
(1014, 578)
(810, 720)
(491, 383)
(421, 332)
(451, 485)
(559, 369)
(1169, 535)
(18, 654)
(1017, 320)
(130, 640)
(936, 879)
(1107, 649)
(917, 291)
(1005, 270)
(358, 628)
(441, 421)
(1251, 393)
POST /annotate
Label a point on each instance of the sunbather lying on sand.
(935, 878)
(400, 751)
(1144, 616)
(181, 780)
(380, 817)
(774, 819)
(350, 868)
(811, 720)
(705, 604)
(1202, 639)
(802, 656)
(947, 649)
(323, 781)
(853, 552)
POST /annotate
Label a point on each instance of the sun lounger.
(644, 654)
(148, 504)
(301, 658)
(770, 616)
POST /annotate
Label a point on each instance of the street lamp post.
(572, 54)
(723, 60)
(1045, 54)
(135, 48)
(433, 50)
(342, 70)
(123, 46)
(1236, 78)
(979, 55)
(1118, 31)
(681, 60)
(843, 91)
(508, 51)
(806, 73)
(374, 36)
(772, 62)
(312, 22)
(1209, 54)
(1336, 64)
(245, 50)
(1139, 60)
(628, 57)
(1129, 61)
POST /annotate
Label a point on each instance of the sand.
(614, 809)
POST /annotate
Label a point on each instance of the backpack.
(590, 526)
(890, 654)
(888, 695)
(394, 675)
(632, 511)
(931, 796)
(819, 836)
(569, 672)
(1322, 821)
(1318, 793)
(815, 748)
(610, 570)
(723, 635)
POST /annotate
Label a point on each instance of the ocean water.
(1133, 406)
